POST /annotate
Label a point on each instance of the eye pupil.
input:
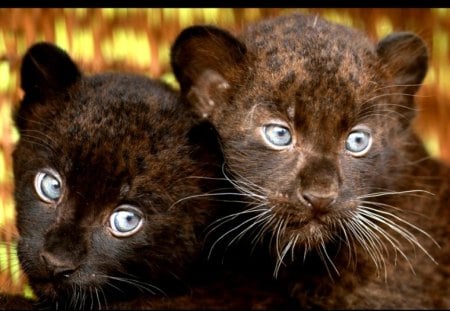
(282, 133)
(50, 185)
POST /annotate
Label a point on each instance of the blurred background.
(138, 40)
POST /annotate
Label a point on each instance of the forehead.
(115, 107)
(317, 75)
(109, 127)
(308, 63)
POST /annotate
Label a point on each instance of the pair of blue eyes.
(357, 143)
(124, 221)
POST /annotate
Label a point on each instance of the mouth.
(46, 290)
(53, 288)
(315, 220)
(298, 217)
(303, 228)
(311, 231)
(69, 295)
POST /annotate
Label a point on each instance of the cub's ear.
(406, 57)
(46, 69)
(206, 61)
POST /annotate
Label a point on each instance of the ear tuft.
(406, 57)
(47, 68)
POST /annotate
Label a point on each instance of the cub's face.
(308, 153)
(312, 118)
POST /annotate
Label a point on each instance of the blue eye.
(277, 135)
(125, 221)
(48, 186)
(358, 142)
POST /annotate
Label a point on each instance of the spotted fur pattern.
(345, 229)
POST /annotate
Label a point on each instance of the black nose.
(319, 201)
(57, 266)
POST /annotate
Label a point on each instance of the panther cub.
(314, 120)
(109, 184)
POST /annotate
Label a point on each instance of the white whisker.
(363, 233)
(379, 194)
(143, 286)
(229, 232)
(206, 195)
(277, 247)
(258, 219)
(347, 241)
(406, 234)
(389, 238)
(223, 220)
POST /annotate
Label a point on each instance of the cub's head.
(313, 118)
(104, 183)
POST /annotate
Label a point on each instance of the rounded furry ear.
(47, 68)
(206, 60)
(201, 48)
(406, 57)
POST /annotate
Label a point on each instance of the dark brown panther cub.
(109, 184)
(315, 125)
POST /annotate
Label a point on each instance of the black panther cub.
(109, 184)
(315, 121)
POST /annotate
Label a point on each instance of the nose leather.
(56, 265)
(318, 201)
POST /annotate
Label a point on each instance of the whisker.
(403, 221)
(389, 238)
(115, 287)
(258, 219)
(293, 248)
(205, 177)
(92, 298)
(209, 195)
(277, 238)
(143, 286)
(388, 206)
(379, 194)
(229, 232)
(406, 234)
(323, 259)
(322, 245)
(283, 254)
(277, 246)
(266, 227)
(350, 245)
(104, 298)
(223, 220)
(244, 184)
(362, 233)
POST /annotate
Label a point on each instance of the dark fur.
(114, 139)
(119, 138)
(321, 80)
